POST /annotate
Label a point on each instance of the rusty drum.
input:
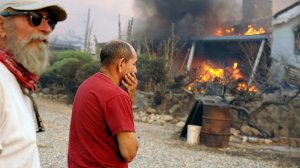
(216, 123)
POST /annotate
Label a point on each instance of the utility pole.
(86, 38)
(129, 30)
(120, 33)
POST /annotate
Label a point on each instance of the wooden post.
(259, 54)
(173, 43)
(129, 30)
(98, 48)
(146, 45)
(120, 36)
(191, 56)
(87, 31)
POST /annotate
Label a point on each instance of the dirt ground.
(53, 143)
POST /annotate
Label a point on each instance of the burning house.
(226, 35)
(227, 56)
(200, 18)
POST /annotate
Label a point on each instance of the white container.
(193, 134)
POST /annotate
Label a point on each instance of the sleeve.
(119, 115)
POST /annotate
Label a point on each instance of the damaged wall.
(283, 42)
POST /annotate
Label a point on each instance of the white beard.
(34, 60)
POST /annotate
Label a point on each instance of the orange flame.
(208, 73)
(235, 64)
(219, 32)
(244, 87)
(231, 31)
(241, 86)
(252, 31)
(253, 89)
(236, 74)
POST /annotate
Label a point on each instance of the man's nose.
(45, 27)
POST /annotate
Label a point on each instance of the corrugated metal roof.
(233, 38)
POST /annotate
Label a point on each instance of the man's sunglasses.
(35, 18)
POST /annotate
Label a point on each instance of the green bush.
(150, 71)
(87, 70)
(68, 69)
(82, 56)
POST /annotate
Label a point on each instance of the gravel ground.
(159, 147)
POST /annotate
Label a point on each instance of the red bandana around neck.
(24, 77)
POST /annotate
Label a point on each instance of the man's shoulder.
(99, 85)
(99, 82)
(5, 74)
(3, 69)
(8, 82)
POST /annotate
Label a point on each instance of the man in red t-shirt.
(102, 132)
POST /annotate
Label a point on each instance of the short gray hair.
(114, 50)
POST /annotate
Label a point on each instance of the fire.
(207, 73)
(236, 73)
(244, 87)
(253, 89)
(219, 32)
(231, 31)
(252, 31)
(235, 64)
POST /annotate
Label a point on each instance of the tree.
(68, 70)
(151, 72)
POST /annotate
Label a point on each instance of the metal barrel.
(216, 123)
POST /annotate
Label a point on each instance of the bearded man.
(24, 54)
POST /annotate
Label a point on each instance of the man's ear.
(120, 64)
(2, 28)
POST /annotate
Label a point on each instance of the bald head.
(115, 50)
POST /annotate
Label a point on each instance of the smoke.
(192, 18)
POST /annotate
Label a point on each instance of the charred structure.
(194, 18)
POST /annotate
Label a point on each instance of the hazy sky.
(280, 4)
(104, 16)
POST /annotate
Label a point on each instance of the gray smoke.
(192, 18)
